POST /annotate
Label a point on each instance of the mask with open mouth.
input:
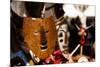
(40, 35)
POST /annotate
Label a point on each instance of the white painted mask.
(63, 36)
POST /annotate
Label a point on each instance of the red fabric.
(82, 39)
(56, 57)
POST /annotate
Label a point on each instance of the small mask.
(63, 36)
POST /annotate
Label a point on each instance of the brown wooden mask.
(40, 35)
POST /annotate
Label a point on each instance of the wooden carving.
(40, 35)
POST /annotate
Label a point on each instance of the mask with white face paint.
(63, 36)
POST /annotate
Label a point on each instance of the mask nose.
(43, 39)
(43, 42)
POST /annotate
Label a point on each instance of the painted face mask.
(63, 36)
(40, 35)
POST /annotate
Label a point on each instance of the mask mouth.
(43, 48)
(65, 47)
(65, 51)
(43, 45)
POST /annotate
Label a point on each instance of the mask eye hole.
(36, 32)
(60, 35)
(61, 40)
(46, 31)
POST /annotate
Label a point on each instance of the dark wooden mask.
(40, 35)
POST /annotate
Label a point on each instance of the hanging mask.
(40, 35)
(63, 36)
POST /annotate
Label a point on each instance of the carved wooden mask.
(63, 39)
(40, 35)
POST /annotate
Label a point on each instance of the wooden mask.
(40, 35)
(63, 39)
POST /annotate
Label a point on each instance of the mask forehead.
(40, 36)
